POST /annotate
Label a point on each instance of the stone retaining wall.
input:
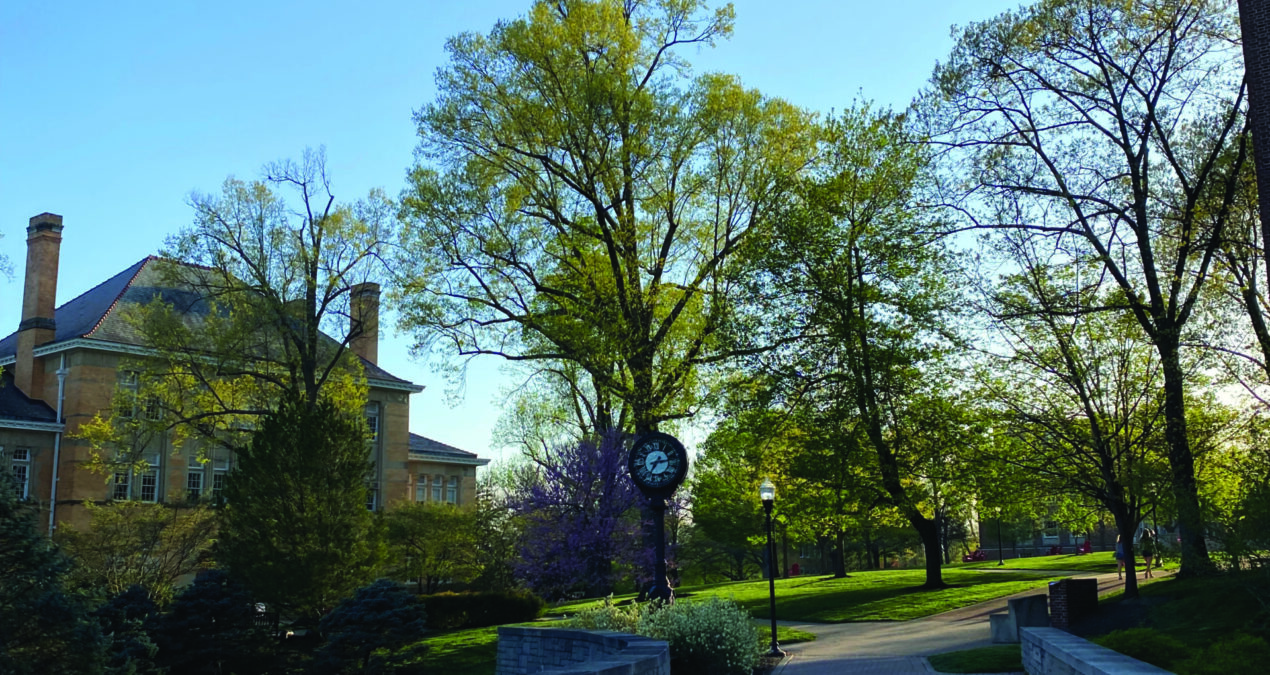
(1050, 651)
(562, 651)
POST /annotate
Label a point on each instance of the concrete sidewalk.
(900, 647)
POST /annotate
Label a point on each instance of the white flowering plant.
(710, 637)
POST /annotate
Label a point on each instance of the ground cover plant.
(995, 659)
(1090, 562)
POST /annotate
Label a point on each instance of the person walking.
(1119, 558)
(1147, 544)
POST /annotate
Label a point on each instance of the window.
(150, 485)
(121, 485)
(421, 488)
(194, 484)
(438, 483)
(372, 496)
(452, 491)
(126, 399)
(20, 464)
(153, 412)
(220, 469)
(372, 421)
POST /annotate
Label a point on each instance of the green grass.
(1000, 659)
(1090, 562)
(472, 651)
(882, 595)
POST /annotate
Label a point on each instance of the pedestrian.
(1148, 550)
(1119, 558)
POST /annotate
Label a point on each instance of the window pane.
(437, 485)
(22, 478)
(121, 486)
(149, 486)
(421, 489)
(372, 493)
(194, 484)
(452, 492)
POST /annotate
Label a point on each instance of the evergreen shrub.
(479, 609)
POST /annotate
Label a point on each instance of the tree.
(434, 543)
(255, 305)
(581, 523)
(862, 282)
(43, 629)
(133, 543)
(1115, 133)
(581, 198)
(367, 632)
(210, 629)
(124, 620)
(295, 527)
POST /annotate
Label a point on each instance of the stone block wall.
(559, 651)
(1050, 651)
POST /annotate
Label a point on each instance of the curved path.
(900, 647)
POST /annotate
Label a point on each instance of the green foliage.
(581, 198)
(1239, 653)
(375, 631)
(125, 619)
(998, 659)
(295, 526)
(434, 543)
(43, 629)
(487, 608)
(1146, 644)
(131, 543)
(210, 629)
(705, 636)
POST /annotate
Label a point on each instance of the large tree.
(43, 629)
(862, 279)
(1114, 131)
(582, 197)
(295, 527)
(254, 304)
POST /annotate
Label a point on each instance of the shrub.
(368, 632)
(1239, 653)
(480, 609)
(1146, 644)
(607, 616)
(211, 628)
(129, 649)
(712, 636)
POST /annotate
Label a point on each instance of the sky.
(111, 114)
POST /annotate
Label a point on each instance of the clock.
(658, 463)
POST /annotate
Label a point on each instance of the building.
(64, 365)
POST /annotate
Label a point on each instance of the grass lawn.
(1090, 562)
(882, 595)
(998, 659)
(474, 651)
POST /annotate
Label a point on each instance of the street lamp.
(767, 493)
(1000, 543)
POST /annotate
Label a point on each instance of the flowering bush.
(607, 616)
(712, 636)
(708, 637)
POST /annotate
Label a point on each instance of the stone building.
(64, 365)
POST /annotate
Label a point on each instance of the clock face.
(658, 463)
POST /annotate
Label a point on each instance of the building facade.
(64, 365)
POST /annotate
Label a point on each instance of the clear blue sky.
(112, 113)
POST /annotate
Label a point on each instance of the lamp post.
(1000, 543)
(767, 493)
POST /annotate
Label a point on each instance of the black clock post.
(658, 464)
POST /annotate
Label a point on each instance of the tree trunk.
(839, 555)
(1126, 526)
(928, 529)
(1195, 560)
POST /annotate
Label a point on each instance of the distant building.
(64, 365)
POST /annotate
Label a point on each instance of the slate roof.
(97, 313)
(16, 406)
(430, 449)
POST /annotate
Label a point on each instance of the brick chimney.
(363, 314)
(43, 244)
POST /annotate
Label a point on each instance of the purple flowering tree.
(582, 523)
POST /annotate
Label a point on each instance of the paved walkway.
(900, 647)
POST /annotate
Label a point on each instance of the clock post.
(658, 464)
